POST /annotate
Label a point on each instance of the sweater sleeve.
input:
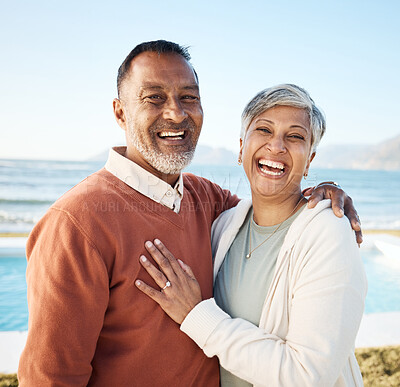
(67, 298)
(325, 304)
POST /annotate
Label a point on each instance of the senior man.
(88, 323)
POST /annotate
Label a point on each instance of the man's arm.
(67, 299)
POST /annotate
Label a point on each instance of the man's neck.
(134, 155)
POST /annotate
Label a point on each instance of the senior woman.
(289, 283)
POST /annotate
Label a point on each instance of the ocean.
(28, 188)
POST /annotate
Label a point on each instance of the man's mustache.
(161, 125)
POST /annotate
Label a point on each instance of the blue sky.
(59, 62)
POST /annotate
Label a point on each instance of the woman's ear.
(240, 152)
(311, 158)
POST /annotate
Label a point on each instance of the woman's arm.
(325, 310)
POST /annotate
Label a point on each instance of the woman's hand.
(341, 204)
(180, 292)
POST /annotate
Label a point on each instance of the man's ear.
(119, 113)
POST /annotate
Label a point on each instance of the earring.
(239, 161)
(305, 175)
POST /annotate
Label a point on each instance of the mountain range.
(382, 156)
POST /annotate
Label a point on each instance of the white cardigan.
(310, 316)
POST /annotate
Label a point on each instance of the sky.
(59, 63)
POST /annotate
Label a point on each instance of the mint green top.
(242, 284)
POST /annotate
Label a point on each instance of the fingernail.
(148, 244)
(143, 258)
(341, 212)
(138, 283)
(157, 241)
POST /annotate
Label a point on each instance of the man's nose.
(174, 111)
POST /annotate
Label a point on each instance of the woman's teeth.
(272, 168)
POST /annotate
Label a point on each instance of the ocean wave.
(47, 165)
(381, 225)
(26, 201)
(8, 218)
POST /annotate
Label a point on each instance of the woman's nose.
(276, 145)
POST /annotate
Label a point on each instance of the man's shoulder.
(192, 179)
(201, 185)
(94, 187)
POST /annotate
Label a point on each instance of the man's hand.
(342, 204)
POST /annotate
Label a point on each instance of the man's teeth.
(171, 134)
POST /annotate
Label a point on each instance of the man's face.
(160, 111)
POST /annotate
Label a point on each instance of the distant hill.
(382, 156)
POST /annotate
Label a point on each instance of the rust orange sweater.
(88, 323)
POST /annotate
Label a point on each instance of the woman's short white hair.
(285, 95)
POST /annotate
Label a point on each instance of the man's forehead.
(161, 64)
(153, 71)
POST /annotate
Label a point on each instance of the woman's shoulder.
(319, 226)
(324, 217)
(321, 216)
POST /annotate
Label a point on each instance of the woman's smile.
(270, 167)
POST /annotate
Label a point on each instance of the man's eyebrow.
(153, 87)
(191, 87)
(149, 87)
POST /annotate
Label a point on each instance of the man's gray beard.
(168, 164)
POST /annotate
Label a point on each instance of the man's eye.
(154, 99)
(190, 97)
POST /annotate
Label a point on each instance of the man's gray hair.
(285, 95)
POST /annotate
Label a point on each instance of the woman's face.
(276, 151)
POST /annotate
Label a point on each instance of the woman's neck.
(269, 212)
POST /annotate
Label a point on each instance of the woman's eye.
(264, 130)
(296, 136)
